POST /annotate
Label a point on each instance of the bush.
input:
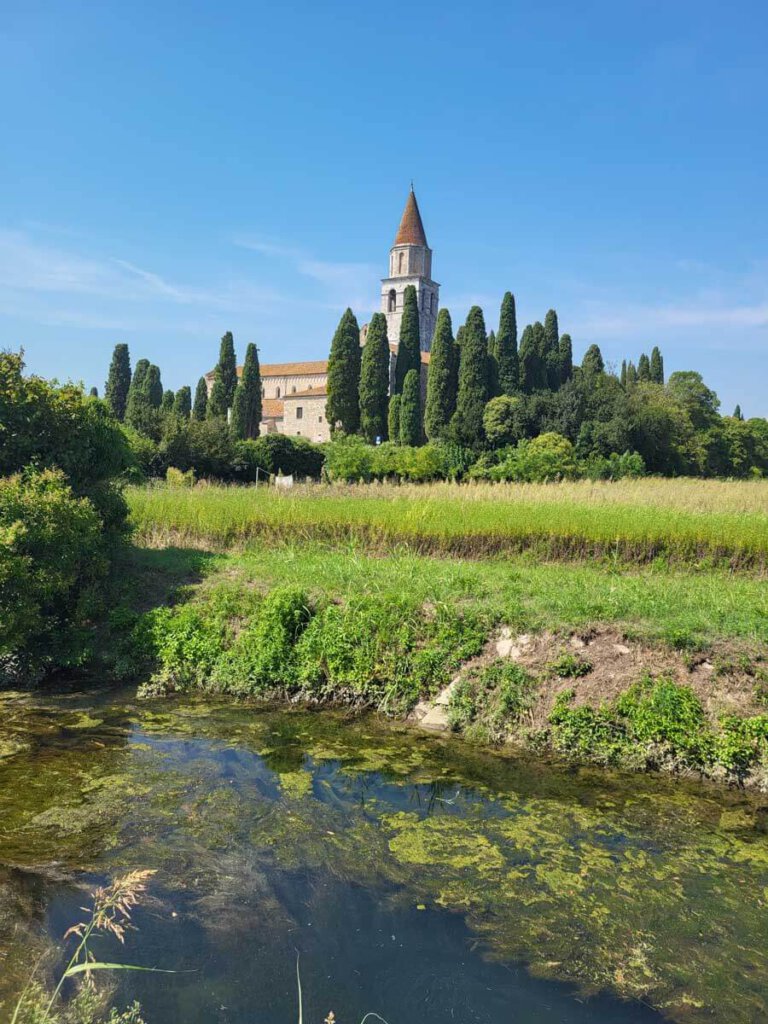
(569, 666)
(613, 466)
(487, 702)
(350, 459)
(663, 712)
(591, 734)
(52, 556)
(547, 457)
(277, 453)
(263, 657)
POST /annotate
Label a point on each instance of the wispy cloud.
(345, 283)
(52, 285)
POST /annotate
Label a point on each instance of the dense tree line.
(486, 392)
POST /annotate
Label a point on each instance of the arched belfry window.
(400, 263)
(392, 304)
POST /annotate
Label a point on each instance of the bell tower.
(410, 262)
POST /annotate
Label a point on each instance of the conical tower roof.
(411, 230)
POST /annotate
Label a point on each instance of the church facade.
(294, 394)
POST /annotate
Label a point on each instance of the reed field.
(682, 520)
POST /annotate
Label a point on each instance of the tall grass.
(685, 520)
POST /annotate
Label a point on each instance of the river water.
(416, 877)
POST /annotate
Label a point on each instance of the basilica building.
(294, 394)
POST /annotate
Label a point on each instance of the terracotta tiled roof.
(411, 230)
(318, 392)
(425, 356)
(285, 369)
(271, 408)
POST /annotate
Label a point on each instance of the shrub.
(278, 453)
(663, 712)
(613, 466)
(53, 555)
(502, 421)
(589, 733)
(263, 657)
(487, 702)
(547, 457)
(176, 478)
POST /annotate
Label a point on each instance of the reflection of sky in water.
(415, 875)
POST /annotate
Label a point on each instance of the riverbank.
(644, 667)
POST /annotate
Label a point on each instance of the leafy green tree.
(472, 396)
(501, 420)
(737, 413)
(217, 399)
(506, 347)
(118, 381)
(442, 382)
(409, 346)
(167, 403)
(592, 364)
(699, 401)
(227, 366)
(374, 380)
(644, 368)
(246, 407)
(182, 402)
(154, 386)
(200, 407)
(393, 419)
(342, 408)
(657, 366)
(565, 358)
(410, 410)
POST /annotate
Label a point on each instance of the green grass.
(685, 521)
(659, 603)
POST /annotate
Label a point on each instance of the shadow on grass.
(146, 578)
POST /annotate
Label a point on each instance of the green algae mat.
(417, 877)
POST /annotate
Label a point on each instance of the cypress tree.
(182, 402)
(460, 335)
(154, 386)
(592, 364)
(657, 366)
(467, 422)
(506, 347)
(94, 392)
(529, 361)
(246, 406)
(118, 381)
(393, 419)
(565, 358)
(737, 413)
(200, 406)
(623, 375)
(217, 400)
(644, 368)
(374, 380)
(493, 367)
(166, 405)
(228, 366)
(409, 346)
(342, 408)
(138, 399)
(441, 379)
(552, 350)
(631, 374)
(410, 410)
(541, 344)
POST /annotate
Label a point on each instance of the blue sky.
(172, 170)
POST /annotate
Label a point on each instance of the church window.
(392, 301)
(402, 257)
(277, 392)
(299, 412)
(293, 389)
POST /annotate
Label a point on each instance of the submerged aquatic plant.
(110, 914)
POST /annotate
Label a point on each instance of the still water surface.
(415, 876)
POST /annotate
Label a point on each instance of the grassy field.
(640, 520)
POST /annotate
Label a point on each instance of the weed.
(487, 702)
(569, 666)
